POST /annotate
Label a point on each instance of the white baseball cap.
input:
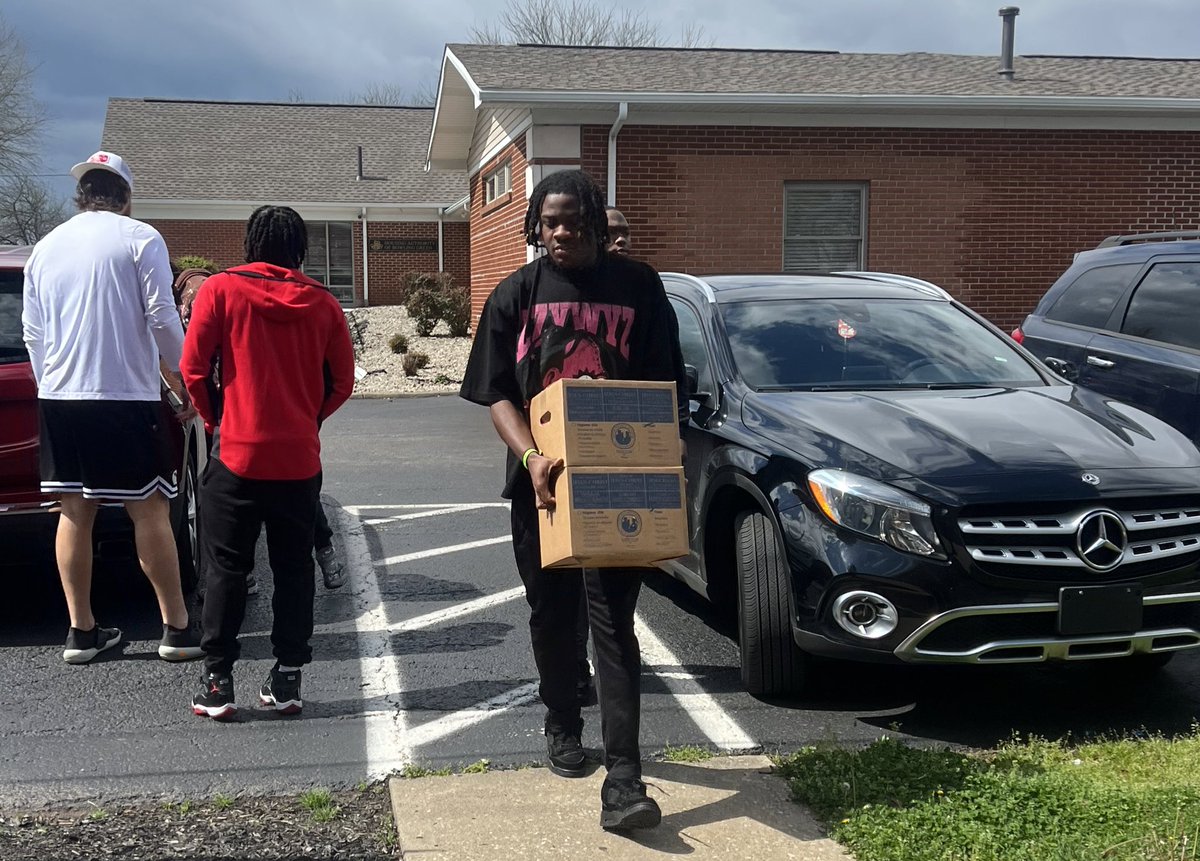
(102, 160)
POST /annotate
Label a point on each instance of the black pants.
(235, 511)
(322, 534)
(554, 597)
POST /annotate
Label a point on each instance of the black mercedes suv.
(877, 473)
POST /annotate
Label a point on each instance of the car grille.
(1124, 539)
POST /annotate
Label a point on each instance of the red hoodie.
(286, 364)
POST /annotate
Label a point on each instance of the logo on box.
(630, 524)
(623, 436)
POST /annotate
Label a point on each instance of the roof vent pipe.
(1009, 14)
(360, 173)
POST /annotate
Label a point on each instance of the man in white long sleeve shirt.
(98, 313)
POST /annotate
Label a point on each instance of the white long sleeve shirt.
(98, 310)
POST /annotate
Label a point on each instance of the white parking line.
(436, 730)
(387, 746)
(716, 723)
(434, 512)
(441, 551)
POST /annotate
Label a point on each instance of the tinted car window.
(1090, 300)
(868, 343)
(12, 348)
(1166, 306)
(691, 343)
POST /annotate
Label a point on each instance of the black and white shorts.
(111, 450)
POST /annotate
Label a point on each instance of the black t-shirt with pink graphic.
(542, 323)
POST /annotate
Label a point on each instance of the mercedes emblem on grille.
(1101, 540)
(1090, 478)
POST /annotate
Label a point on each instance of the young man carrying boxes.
(575, 312)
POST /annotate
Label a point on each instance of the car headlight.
(876, 509)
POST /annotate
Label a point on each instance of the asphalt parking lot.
(424, 658)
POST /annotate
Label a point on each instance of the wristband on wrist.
(525, 456)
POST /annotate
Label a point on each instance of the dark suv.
(1124, 320)
(28, 517)
(875, 472)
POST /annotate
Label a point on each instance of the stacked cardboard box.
(620, 500)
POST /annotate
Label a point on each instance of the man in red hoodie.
(286, 364)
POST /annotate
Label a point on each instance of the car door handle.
(1100, 363)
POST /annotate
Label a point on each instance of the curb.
(424, 393)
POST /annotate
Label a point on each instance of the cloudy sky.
(326, 50)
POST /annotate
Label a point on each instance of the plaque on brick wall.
(410, 245)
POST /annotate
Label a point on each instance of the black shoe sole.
(563, 771)
(644, 814)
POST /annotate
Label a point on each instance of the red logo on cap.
(99, 157)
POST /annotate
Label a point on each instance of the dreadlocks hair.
(276, 235)
(101, 190)
(578, 185)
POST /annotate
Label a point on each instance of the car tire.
(185, 513)
(772, 664)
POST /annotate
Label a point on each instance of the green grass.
(320, 805)
(479, 767)
(1035, 800)
(98, 815)
(415, 771)
(222, 802)
(687, 753)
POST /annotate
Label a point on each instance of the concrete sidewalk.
(727, 807)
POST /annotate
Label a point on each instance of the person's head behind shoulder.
(276, 235)
(105, 184)
(566, 217)
(618, 232)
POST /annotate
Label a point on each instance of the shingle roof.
(678, 70)
(277, 152)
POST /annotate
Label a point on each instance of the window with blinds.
(823, 226)
(330, 257)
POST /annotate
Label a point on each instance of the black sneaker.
(625, 806)
(180, 644)
(215, 697)
(282, 690)
(82, 646)
(566, 751)
(333, 573)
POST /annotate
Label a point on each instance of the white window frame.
(861, 187)
(343, 292)
(497, 182)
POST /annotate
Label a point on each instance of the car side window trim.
(707, 375)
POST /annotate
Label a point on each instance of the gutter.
(622, 115)
(849, 100)
(366, 278)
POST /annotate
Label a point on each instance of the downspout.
(366, 278)
(622, 115)
(441, 241)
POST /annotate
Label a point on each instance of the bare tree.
(382, 93)
(28, 211)
(578, 22)
(21, 117)
(425, 95)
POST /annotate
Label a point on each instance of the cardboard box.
(607, 423)
(615, 517)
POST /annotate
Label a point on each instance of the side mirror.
(1062, 367)
(693, 382)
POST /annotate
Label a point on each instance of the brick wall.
(387, 269)
(219, 241)
(222, 242)
(993, 216)
(497, 246)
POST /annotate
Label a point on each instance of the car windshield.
(868, 344)
(12, 348)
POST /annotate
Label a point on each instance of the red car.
(28, 517)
